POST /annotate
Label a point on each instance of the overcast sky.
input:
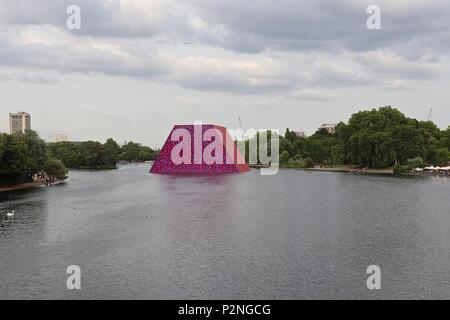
(136, 68)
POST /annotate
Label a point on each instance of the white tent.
(438, 168)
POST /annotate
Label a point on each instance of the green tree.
(417, 162)
(291, 136)
(68, 152)
(2, 144)
(399, 169)
(372, 149)
(299, 145)
(36, 147)
(338, 154)
(284, 158)
(56, 168)
(130, 152)
(309, 163)
(430, 128)
(286, 145)
(443, 156)
(111, 152)
(92, 155)
(315, 150)
(445, 140)
(146, 154)
(16, 160)
(383, 150)
(409, 143)
(322, 133)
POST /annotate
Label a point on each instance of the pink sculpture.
(199, 150)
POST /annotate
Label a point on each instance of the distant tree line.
(95, 155)
(377, 138)
(24, 154)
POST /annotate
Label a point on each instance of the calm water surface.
(296, 235)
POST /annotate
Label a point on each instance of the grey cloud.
(236, 85)
(310, 95)
(29, 77)
(82, 57)
(318, 44)
(250, 26)
(410, 28)
(100, 18)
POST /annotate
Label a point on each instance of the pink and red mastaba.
(164, 163)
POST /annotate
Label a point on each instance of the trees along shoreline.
(377, 138)
(23, 155)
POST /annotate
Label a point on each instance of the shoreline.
(343, 169)
(350, 169)
(22, 186)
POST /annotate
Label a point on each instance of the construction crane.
(430, 114)
(240, 127)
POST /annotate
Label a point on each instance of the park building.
(330, 127)
(19, 122)
(58, 137)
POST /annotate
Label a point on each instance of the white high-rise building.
(19, 122)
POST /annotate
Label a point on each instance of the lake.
(295, 235)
